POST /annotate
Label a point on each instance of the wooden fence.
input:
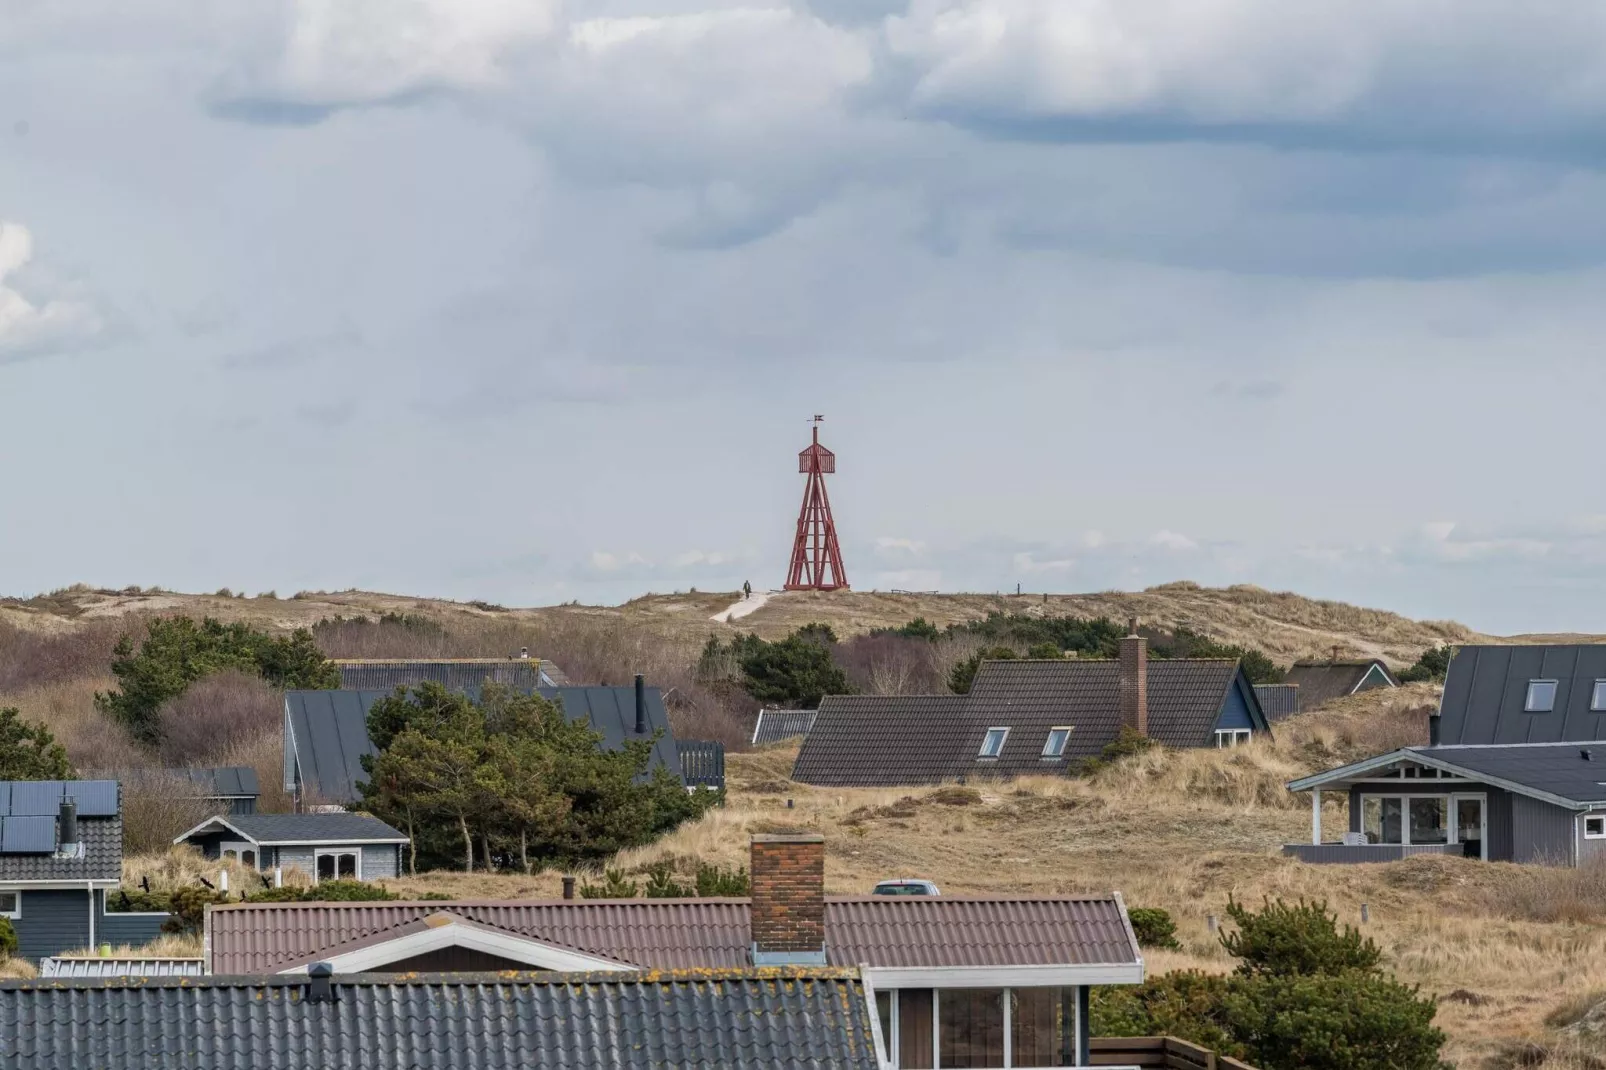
(702, 762)
(1159, 1052)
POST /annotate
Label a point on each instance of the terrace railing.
(702, 762)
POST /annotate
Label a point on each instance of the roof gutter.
(1054, 976)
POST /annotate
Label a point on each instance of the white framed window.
(244, 853)
(1595, 828)
(1058, 737)
(338, 865)
(1541, 696)
(1597, 697)
(10, 904)
(993, 744)
(1232, 737)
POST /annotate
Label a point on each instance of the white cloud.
(1422, 71)
(1174, 541)
(29, 327)
(603, 561)
(891, 546)
(1028, 563)
(693, 558)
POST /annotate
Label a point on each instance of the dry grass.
(15, 969)
(67, 708)
(178, 867)
(166, 946)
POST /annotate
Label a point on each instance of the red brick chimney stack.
(788, 911)
(1135, 680)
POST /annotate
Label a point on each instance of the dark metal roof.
(866, 740)
(135, 967)
(309, 828)
(328, 732)
(775, 1019)
(1558, 770)
(775, 725)
(456, 674)
(101, 860)
(211, 782)
(1321, 682)
(1278, 701)
(1487, 687)
(877, 931)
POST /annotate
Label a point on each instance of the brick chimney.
(788, 911)
(1135, 680)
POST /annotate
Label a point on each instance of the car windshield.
(900, 889)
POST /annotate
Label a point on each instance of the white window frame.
(894, 1034)
(1064, 742)
(1597, 697)
(1528, 698)
(1232, 737)
(335, 853)
(238, 848)
(16, 906)
(1452, 824)
(1003, 738)
(1601, 835)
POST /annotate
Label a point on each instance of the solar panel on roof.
(27, 835)
(5, 797)
(95, 798)
(35, 798)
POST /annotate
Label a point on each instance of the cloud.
(1173, 541)
(303, 59)
(1028, 563)
(890, 546)
(36, 326)
(1458, 75)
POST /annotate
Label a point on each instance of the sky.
(531, 301)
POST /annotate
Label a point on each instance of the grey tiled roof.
(102, 858)
(328, 732)
(772, 1019)
(868, 740)
(312, 828)
(884, 739)
(1556, 769)
(1321, 682)
(775, 725)
(1278, 701)
(877, 931)
(1487, 687)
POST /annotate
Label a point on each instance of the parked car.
(905, 887)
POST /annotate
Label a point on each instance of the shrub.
(28, 751)
(1154, 928)
(188, 905)
(1350, 1020)
(796, 671)
(176, 652)
(325, 892)
(1127, 742)
(1185, 1004)
(8, 939)
(1302, 939)
(1434, 664)
(613, 886)
(661, 883)
(218, 714)
(717, 881)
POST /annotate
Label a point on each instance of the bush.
(661, 883)
(28, 751)
(1352, 1020)
(176, 652)
(1185, 1004)
(1154, 928)
(216, 715)
(188, 905)
(1434, 664)
(796, 671)
(717, 881)
(613, 886)
(1303, 940)
(8, 939)
(326, 892)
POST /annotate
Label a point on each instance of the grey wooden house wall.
(57, 919)
(1519, 828)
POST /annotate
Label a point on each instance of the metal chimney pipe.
(1433, 730)
(641, 705)
(568, 887)
(67, 823)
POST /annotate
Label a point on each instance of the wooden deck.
(1158, 1052)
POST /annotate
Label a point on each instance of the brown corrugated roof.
(878, 931)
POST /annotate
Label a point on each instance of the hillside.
(1284, 625)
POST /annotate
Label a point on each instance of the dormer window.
(1597, 697)
(1542, 696)
(1054, 745)
(993, 745)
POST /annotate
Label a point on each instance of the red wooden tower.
(816, 557)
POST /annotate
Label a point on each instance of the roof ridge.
(452, 980)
